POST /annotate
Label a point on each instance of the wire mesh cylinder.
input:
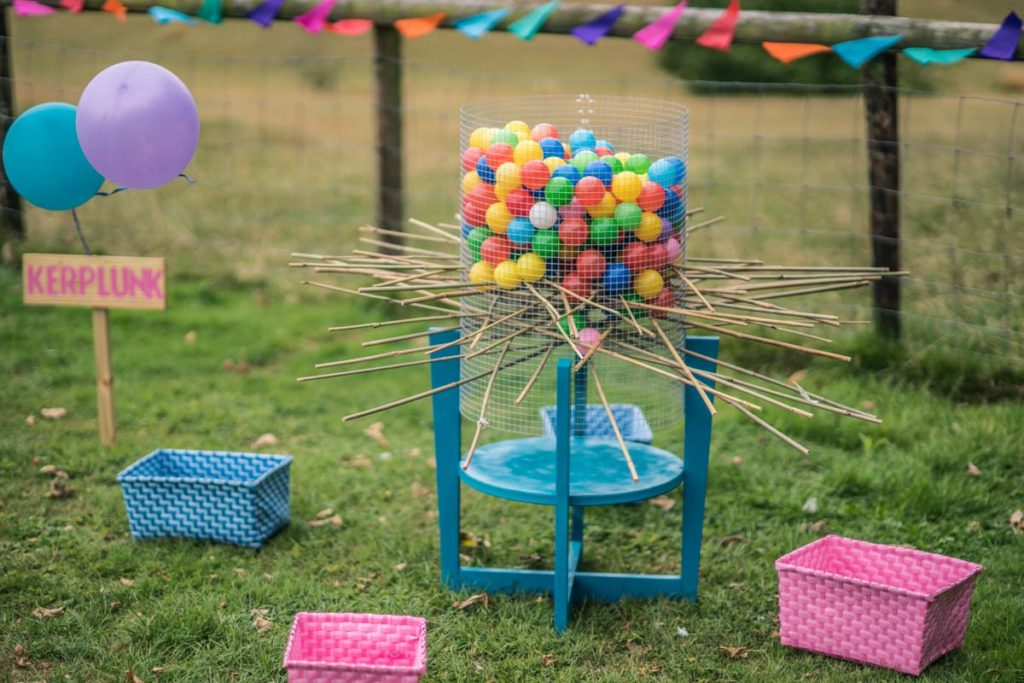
(573, 216)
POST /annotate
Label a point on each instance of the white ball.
(543, 215)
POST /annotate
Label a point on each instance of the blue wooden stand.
(537, 470)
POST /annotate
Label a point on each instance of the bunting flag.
(656, 34)
(1003, 43)
(164, 15)
(315, 19)
(117, 9)
(74, 6)
(719, 34)
(211, 11)
(478, 25)
(597, 28)
(526, 27)
(264, 14)
(790, 52)
(350, 27)
(415, 27)
(31, 8)
(926, 55)
(858, 52)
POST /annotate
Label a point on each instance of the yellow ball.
(498, 217)
(622, 156)
(481, 273)
(648, 284)
(481, 138)
(649, 228)
(626, 186)
(469, 181)
(527, 150)
(506, 274)
(507, 174)
(603, 209)
(502, 190)
(518, 127)
(553, 163)
(530, 267)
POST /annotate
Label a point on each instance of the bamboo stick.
(799, 447)
(481, 421)
(615, 425)
(705, 224)
(685, 368)
(592, 350)
(484, 328)
(695, 290)
(444, 297)
(811, 290)
(403, 235)
(536, 374)
(404, 337)
(642, 330)
(399, 321)
(427, 226)
(570, 320)
(406, 248)
(336, 288)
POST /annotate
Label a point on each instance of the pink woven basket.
(340, 647)
(878, 604)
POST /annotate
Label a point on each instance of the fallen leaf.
(376, 432)
(1017, 520)
(414, 452)
(58, 489)
(231, 366)
(190, 337)
(67, 527)
(20, 659)
(734, 652)
(972, 470)
(867, 405)
(47, 612)
(53, 471)
(260, 622)
(264, 440)
(736, 585)
(974, 527)
(737, 460)
(419, 490)
(115, 605)
(810, 505)
(158, 670)
(817, 527)
(53, 413)
(239, 571)
(482, 598)
(467, 539)
(431, 463)
(268, 576)
(663, 502)
(548, 659)
(333, 519)
(682, 632)
(359, 462)
(30, 420)
(732, 538)
(797, 377)
(223, 605)
(127, 582)
(774, 634)
(162, 575)
(531, 559)
(385, 455)
(132, 678)
(400, 566)
(363, 581)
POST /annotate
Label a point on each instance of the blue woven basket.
(630, 419)
(238, 498)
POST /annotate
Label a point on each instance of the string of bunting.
(719, 36)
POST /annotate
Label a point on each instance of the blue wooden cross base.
(571, 472)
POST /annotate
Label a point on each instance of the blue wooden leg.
(562, 590)
(447, 451)
(696, 446)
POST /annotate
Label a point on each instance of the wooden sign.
(100, 283)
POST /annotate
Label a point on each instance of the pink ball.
(572, 210)
(673, 249)
(588, 337)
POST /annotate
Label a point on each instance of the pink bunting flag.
(656, 34)
(315, 19)
(75, 6)
(719, 34)
(30, 8)
(350, 27)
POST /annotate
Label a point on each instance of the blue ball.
(582, 138)
(673, 208)
(569, 172)
(599, 170)
(466, 229)
(552, 147)
(537, 194)
(662, 172)
(484, 171)
(616, 278)
(607, 145)
(520, 230)
(678, 169)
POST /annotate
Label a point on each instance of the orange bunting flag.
(350, 27)
(719, 34)
(790, 52)
(117, 9)
(75, 6)
(414, 27)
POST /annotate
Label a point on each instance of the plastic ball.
(666, 230)
(482, 272)
(605, 209)
(652, 196)
(534, 174)
(507, 174)
(649, 228)
(498, 217)
(634, 256)
(638, 163)
(520, 232)
(616, 278)
(506, 275)
(590, 191)
(495, 249)
(503, 190)
(583, 158)
(469, 158)
(648, 284)
(577, 284)
(558, 191)
(666, 300)
(614, 164)
(623, 157)
(466, 229)
(473, 214)
(475, 239)
(572, 210)
(603, 151)
(672, 249)
(499, 153)
(604, 231)
(531, 267)
(590, 263)
(546, 244)
(543, 215)
(484, 170)
(599, 170)
(469, 181)
(569, 172)
(582, 138)
(607, 145)
(544, 130)
(588, 337)
(552, 147)
(538, 195)
(527, 150)
(573, 232)
(657, 256)
(554, 163)
(678, 169)
(518, 127)
(628, 216)
(626, 186)
(577, 318)
(672, 209)
(482, 196)
(505, 137)
(519, 202)
(481, 138)
(667, 171)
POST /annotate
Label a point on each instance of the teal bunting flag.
(211, 11)
(165, 15)
(478, 25)
(926, 55)
(526, 27)
(858, 52)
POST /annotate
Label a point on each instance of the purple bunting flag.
(264, 14)
(1003, 43)
(596, 29)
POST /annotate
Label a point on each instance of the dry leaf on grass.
(734, 652)
(737, 460)
(30, 420)
(730, 539)
(127, 582)
(414, 452)
(21, 660)
(359, 462)
(239, 571)
(58, 489)
(810, 505)
(663, 502)
(376, 432)
(268, 576)
(400, 566)
(385, 455)
(797, 377)
(53, 413)
(1017, 520)
(418, 490)
(973, 527)
(53, 471)
(264, 440)
(231, 366)
(132, 678)
(817, 527)
(548, 659)
(115, 605)
(158, 670)
(190, 337)
(972, 470)
(481, 598)
(47, 612)
(467, 539)
(260, 622)
(682, 632)
(334, 520)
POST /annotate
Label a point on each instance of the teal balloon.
(45, 163)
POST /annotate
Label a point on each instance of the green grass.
(189, 610)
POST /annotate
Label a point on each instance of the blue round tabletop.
(524, 470)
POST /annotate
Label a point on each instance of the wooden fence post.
(388, 72)
(10, 201)
(879, 80)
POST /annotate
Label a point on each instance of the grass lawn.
(186, 607)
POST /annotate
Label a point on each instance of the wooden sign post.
(100, 283)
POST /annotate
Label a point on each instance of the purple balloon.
(137, 124)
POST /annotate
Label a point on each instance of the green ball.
(604, 231)
(474, 239)
(638, 163)
(546, 244)
(634, 298)
(505, 136)
(616, 165)
(582, 158)
(559, 191)
(577, 317)
(627, 216)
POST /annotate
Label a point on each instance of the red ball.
(498, 154)
(590, 264)
(652, 196)
(590, 191)
(495, 249)
(603, 152)
(666, 300)
(573, 232)
(519, 202)
(482, 196)
(543, 130)
(634, 256)
(470, 157)
(577, 284)
(534, 174)
(657, 256)
(679, 191)
(473, 214)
